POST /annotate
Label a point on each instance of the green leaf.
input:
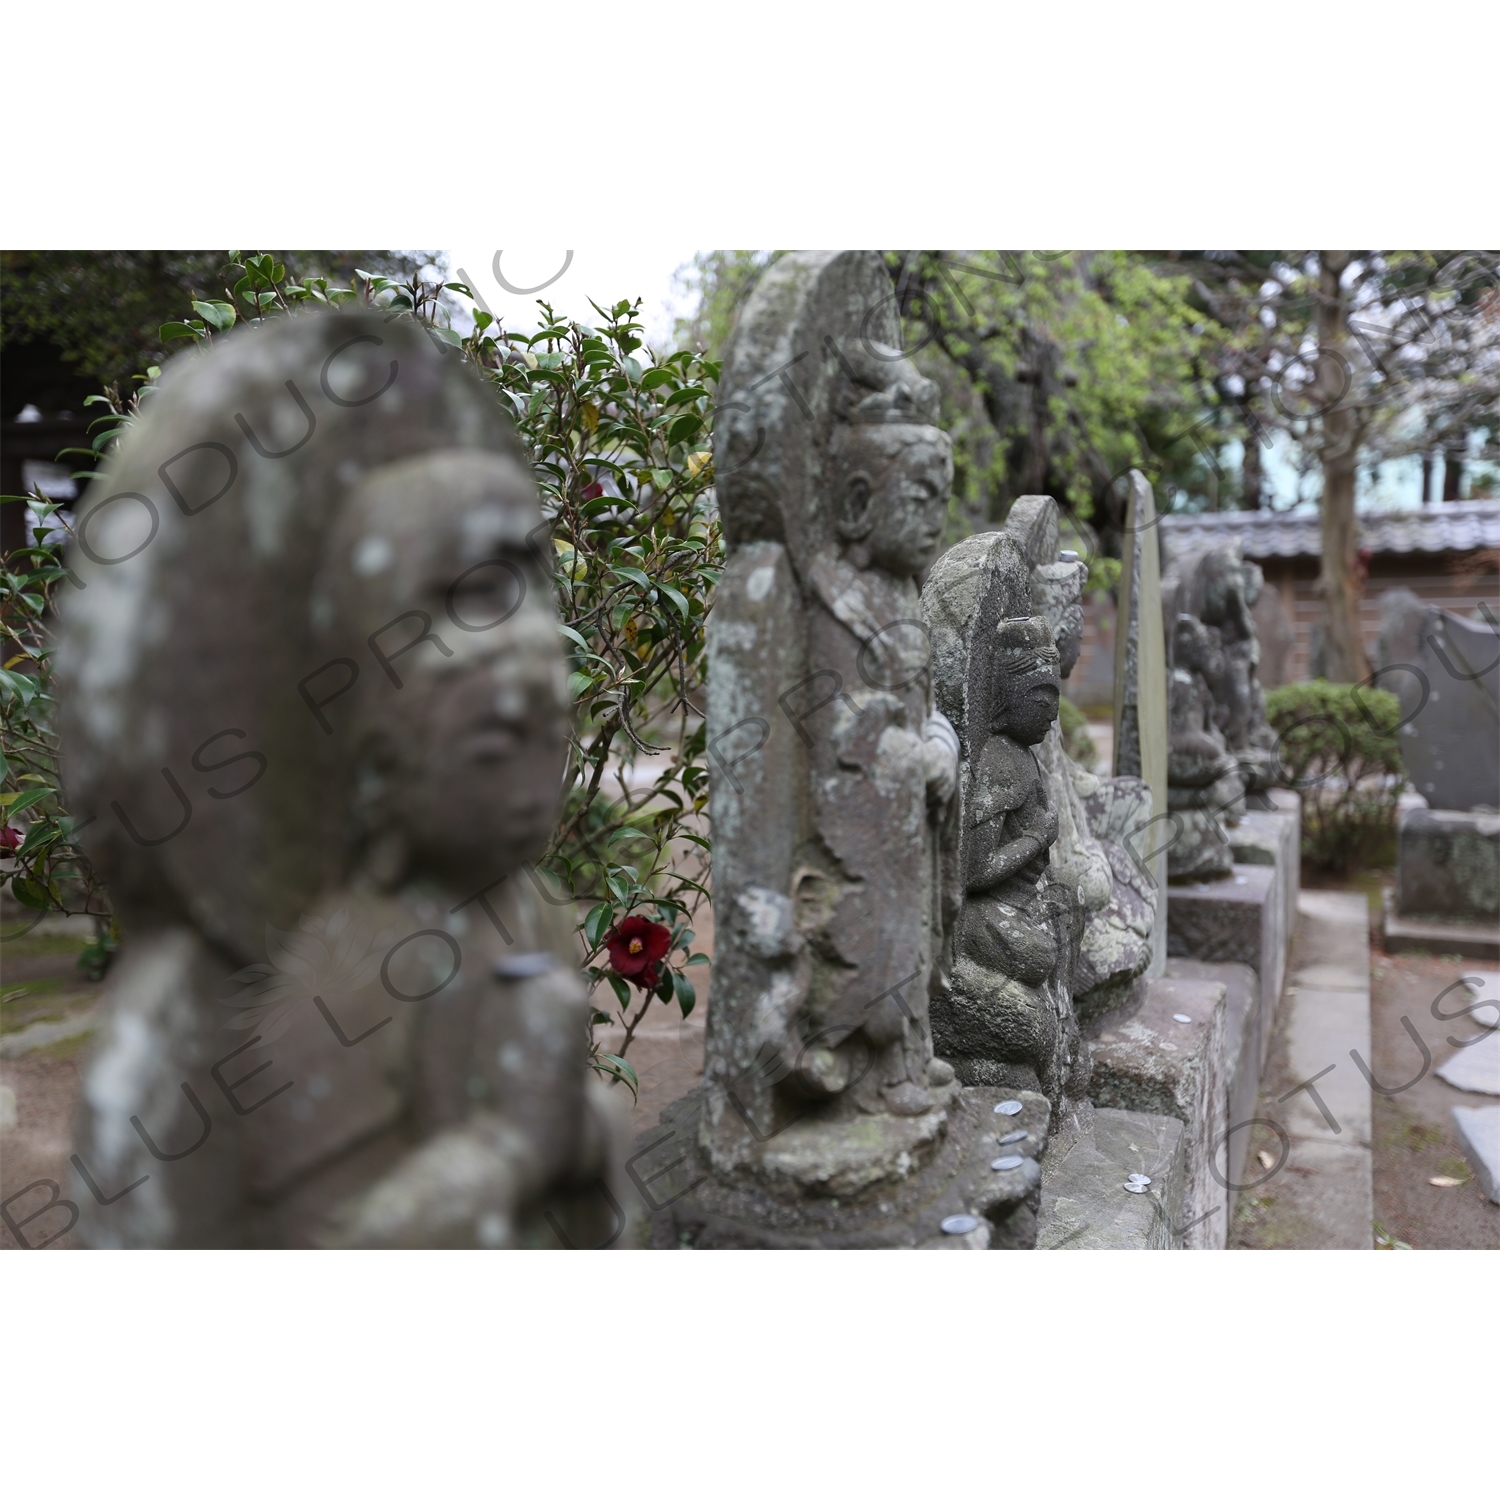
(680, 429)
(597, 923)
(28, 799)
(698, 958)
(219, 315)
(617, 1067)
(687, 996)
(621, 989)
(658, 375)
(31, 893)
(635, 576)
(176, 331)
(676, 598)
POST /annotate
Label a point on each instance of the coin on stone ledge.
(1134, 1187)
(1006, 1163)
(1012, 1138)
(960, 1224)
(1186, 1020)
(1139, 1177)
(1009, 1107)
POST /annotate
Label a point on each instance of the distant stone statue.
(1220, 747)
(315, 725)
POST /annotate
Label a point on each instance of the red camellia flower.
(10, 838)
(636, 947)
(593, 491)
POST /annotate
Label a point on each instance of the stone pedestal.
(1241, 919)
(1086, 1204)
(1478, 1133)
(1248, 1018)
(1273, 836)
(1155, 1063)
(692, 1209)
(1447, 892)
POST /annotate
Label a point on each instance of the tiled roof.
(1457, 526)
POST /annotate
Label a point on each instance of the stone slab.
(1448, 865)
(1152, 1063)
(691, 1208)
(1406, 934)
(1238, 920)
(1484, 986)
(1478, 1132)
(1085, 1205)
(1247, 1037)
(1475, 1068)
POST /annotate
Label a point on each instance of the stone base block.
(1479, 1134)
(692, 1208)
(1448, 866)
(1085, 1201)
(1238, 920)
(1248, 1019)
(1157, 1064)
(1403, 934)
(1273, 836)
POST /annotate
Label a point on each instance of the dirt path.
(1413, 1137)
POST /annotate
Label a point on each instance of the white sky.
(603, 274)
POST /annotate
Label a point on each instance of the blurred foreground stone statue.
(314, 715)
(825, 1119)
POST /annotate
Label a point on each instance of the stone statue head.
(892, 472)
(331, 638)
(1026, 685)
(458, 746)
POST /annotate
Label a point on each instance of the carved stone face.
(1027, 686)
(894, 496)
(463, 760)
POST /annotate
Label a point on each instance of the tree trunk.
(1453, 472)
(1343, 651)
(1250, 474)
(1427, 478)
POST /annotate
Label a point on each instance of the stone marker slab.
(1155, 1064)
(1238, 920)
(1478, 1133)
(1448, 865)
(1085, 1205)
(1475, 1068)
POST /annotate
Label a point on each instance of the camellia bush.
(619, 443)
(1336, 746)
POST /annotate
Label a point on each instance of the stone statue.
(825, 1118)
(1006, 1016)
(314, 724)
(1221, 747)
(1100, 819)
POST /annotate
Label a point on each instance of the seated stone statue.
(1221, 747)
(1099, 818)
(1006, 1016)
(341, 1016)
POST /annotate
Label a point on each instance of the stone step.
(1086, 1202)
(1479, 1134)
(1169, 1058)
